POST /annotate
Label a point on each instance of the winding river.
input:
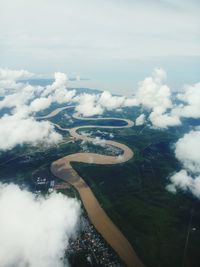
(62, 169)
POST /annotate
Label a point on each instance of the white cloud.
(60, 80)
(191, 99)
(87, 105)
(59, 83)
(35, 232)
(14, 75)
(58, 90)
(63, 96)
(110, 102)
(140, 120)
(187, 151)
(152, 93)
(25, 100)
(160, 120)
(9, 78)
(17, 130)
(92, 104)
(182, 180)
(131, 102)
(155, 96)
(39, 104)
(19, 98)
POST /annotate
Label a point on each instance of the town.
(92, 248)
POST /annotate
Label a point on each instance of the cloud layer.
(96, 104)
(35, 232)
(19, 126)
(153, 95)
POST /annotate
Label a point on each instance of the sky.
(113, 43)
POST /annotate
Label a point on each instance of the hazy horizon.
(114, 44)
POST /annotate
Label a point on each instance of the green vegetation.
(21, 163)
(134, 195)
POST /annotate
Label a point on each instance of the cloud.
(39, 104)
(60, 82)
(181, 180)
(110, 102)
(131, 102)
(35, 231)
(154, 95)
(187, 152)
(24, 101)
(191, 99)
(20, 98)
(58, 90)
(140, 120)
(93, 104)
(14, 75)
(63, 96)
(17, 130)
(88, 105)
(9, 78)
(160, 120)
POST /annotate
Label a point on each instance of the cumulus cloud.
(17, 130)
(187, 152)
(163, 120)
(131, 102)
(63, 96)
(14, 75)
(92, 104)
(154, 95)
(19, 126)
(140, 120)
(59, 82)
(42, 96)
(35, 231)
(191, 99)
(182, 180)
(19, 98)
(9, 78)
(88, 105)
(110, 102)
(58, 90)
(39, 104)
